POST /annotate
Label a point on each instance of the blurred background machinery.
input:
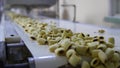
(13, 52)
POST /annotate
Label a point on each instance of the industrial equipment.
(17, 50)
(13, 52)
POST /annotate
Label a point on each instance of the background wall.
(88, 11)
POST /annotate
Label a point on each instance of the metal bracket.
(31, 62)
(74, 6)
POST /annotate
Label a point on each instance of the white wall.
(90, 11)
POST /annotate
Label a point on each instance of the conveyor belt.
(90, 29)
(41, 54)
(45, 59)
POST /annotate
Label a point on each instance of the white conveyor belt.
(45, 59)
(90, 29)
(41, 54)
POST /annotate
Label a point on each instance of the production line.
(37, 55)
(30, 41)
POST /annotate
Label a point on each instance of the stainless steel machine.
(26, 7)
(13, 52)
